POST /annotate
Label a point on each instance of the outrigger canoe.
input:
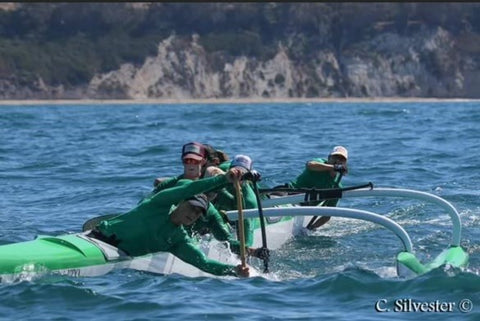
(80, 255)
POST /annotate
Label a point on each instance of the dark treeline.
(67, 43)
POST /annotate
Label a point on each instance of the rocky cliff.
(426, 65)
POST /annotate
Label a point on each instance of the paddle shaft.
(241, 227)
(320, 191)
(262, 225)
(311, 224)
(260, 215)
(91, 223)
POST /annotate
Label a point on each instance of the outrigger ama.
(80, 255)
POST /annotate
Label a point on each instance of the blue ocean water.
(61, 165)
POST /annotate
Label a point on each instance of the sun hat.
(193, 150)
(199, 200)
(242, 161)
(339, 150)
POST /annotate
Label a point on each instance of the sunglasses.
(338, 158)
(191, 161)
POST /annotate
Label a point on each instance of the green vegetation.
(67, 43)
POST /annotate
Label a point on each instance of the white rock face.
(386, 66)
(184, 73)
(426, 64)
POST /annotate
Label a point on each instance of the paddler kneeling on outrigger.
(157, 225)
(322, 174)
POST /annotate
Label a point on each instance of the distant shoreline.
(224, 101)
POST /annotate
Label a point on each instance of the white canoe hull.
(164, 263)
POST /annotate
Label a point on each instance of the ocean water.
(61, 165)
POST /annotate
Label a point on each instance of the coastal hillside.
(239, 50)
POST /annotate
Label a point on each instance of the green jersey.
(212, 222)
(315, 179)
(225, 166)
(172, 181)
(226, 200)
(169, 182)
(148, 229)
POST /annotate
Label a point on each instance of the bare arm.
(319, 167)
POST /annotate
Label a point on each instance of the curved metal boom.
(331, 211)
(394, 192)
(423, 196)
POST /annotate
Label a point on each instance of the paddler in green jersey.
(215, 157)
(213, 222)
(157, 224)
(204, 155)
(324, 173)
(194, 158)
(226, 199)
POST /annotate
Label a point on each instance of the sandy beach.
(28, 102)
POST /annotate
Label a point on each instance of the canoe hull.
(81, 256)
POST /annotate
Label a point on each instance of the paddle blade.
(91, 223)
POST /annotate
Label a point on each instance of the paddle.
(314, 223)
(241, 227)
(265, 252)
(91, 223)
(323, 193)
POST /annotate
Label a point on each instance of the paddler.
(194, 157)
(215, 157)
(323, 173)
(226, 198)
(157, 224)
